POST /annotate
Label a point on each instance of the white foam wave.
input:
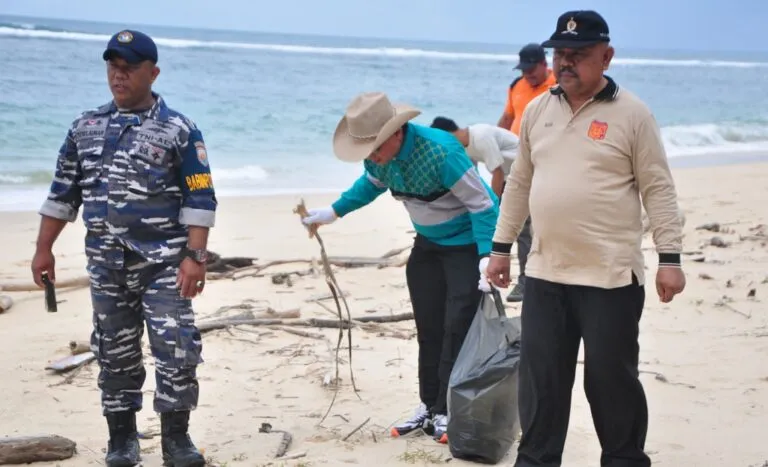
(30, 32)
(715, 138)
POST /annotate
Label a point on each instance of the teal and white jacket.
(432, 175)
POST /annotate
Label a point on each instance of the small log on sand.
(25, 450)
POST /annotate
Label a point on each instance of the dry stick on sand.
(330, 279)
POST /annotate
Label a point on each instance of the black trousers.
(555, 317)
(442, 283)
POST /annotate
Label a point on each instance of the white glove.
(320, 216)
(484, 285)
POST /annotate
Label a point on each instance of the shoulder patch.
(202, 154)
(517, 80)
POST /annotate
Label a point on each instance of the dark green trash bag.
(483, 419)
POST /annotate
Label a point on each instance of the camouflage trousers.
(122, 301)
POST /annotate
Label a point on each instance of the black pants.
(555, 317)
(442, 282)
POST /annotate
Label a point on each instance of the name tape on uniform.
(197, 182)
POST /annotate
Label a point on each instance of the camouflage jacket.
(142, 178)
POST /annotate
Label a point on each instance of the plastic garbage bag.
(483, 419)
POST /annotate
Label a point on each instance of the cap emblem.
(570, 27)
(124, 37)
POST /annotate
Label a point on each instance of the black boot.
(178, 450)
(123, 445)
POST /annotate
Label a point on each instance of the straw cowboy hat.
(370, 119)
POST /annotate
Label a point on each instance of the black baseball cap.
(531, 55)
(131, 46)
(579, 28)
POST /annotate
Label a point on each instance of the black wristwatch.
(199, 256)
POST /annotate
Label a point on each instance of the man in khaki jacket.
(589, 150)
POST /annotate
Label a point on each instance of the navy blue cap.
(531, 55)
(580, 28)
(131, 46)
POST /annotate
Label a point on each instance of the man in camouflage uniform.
(140, 171)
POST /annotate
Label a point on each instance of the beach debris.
(700, 259)
(333, 286)
(257, 270)
(285, 442)
(70, 362)
(218, 263)
(268, 317)
(215, 266)
(6, 303)
(357, 428)
(78, 347)
(711, 227)
(28, 449)
(728, 284)
(60, 284)
(718, 242)
(705, 276)
(752, 293)
(724, 303)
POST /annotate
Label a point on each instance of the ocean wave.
(683, 140)
(40, 32)
(715, 138)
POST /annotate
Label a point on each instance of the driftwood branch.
(234, 268)
(25, 450)
(63, 284)
(308, 323)
(333, 286)
(270, 317)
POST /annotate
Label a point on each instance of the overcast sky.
(670, 24)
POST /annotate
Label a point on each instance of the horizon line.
(296, 34)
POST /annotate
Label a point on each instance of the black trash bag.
(483, 417)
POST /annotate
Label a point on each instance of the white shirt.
(493, 146)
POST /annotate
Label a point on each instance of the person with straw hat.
(454, 214)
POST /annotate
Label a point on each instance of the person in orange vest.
(536, 78)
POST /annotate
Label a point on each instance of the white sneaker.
(440, 424)
(420, 415)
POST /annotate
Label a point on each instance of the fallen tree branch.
(309, 322)
(28, 449)
(330, 280)
(63, 284)
(257, 270)
(266, 318)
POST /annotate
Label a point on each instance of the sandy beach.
(702, 355)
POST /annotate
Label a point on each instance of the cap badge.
(570, 27)
(124, 37)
